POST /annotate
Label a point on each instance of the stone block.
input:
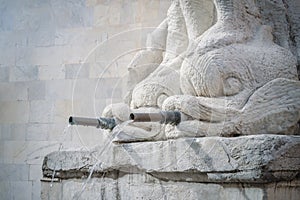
(14, 172)
(5, 130)
(62, 111)
(85, 89)
(14, 112)
(63, 37)
(39, 56)
(79, 53)
(42, 56)
(13, 91)
(33, 19)
(35, 172)
(14, 132)
(36, 190)
(142, 186)
(283, 191)
(37, 132)
(21, 189)
(127, 12)
(13, 152)
(149, 11)
(60, 132)
(7, 57)
(2, 151)
(107, 51)
(36, 90)
(18, 131)
(100, 104)
(108, 70)
(5, 190)
(29, 152)
(41, 17)
(109, 88)
(13, 38)
(35, 151)
(41, 111)
(100, 15)
(51, 190)
(83, 107)
(114, 14)
(7, 17)
(232, 192)
(59, 89)
(98, 69)
(110, 14)
(4, 74)
(50, 72)
(23, 73)
(247, 159)
(113, 100)
(7, 92)
(104, 36)
(23, 56)
(20, 91)
(90, 190)
(71, 14)
(68, 36)
(44, 37)
(77, 71)
(91, 3)
(88, 37)
(89, 137)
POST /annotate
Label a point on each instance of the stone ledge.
(143, 186)
(246, 159)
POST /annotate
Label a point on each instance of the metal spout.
(164, 117)
(101, 122)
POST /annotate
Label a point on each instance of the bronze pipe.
(164, 117)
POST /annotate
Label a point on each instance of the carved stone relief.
(222, 71)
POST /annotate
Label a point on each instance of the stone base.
(248, 167)
(146, 187)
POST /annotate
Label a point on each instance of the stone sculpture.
(228, 73)
(224, 73)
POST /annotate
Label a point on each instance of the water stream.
(63, 138)
(99, 163)
(100, 152)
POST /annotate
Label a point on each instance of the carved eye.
(232, 86)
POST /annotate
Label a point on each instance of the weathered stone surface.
(4, 74)
(51, 191)
(247, 167)
(143, 186)
(263, 158)
(51, 72)
(230, 68)
(23, 73)
(38, 39)
(227, 65)
(14, 172)
(16, 111)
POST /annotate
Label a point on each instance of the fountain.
(218, 118)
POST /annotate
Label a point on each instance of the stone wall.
(59, 58)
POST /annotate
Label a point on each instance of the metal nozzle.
(164, 117)
(104, 123)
